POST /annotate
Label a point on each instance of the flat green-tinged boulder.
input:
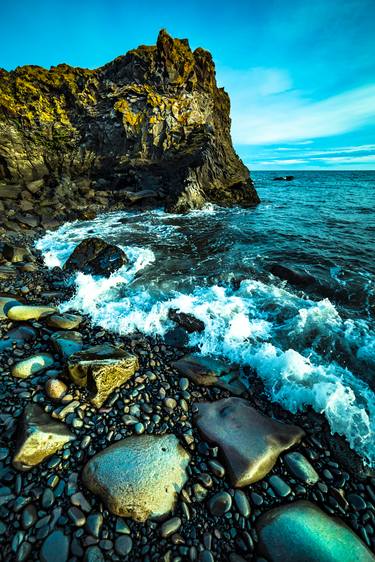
(207, 371)
(301, 532)
(29, 312)
(32, 365)
(63, 321)
(101, 369)
(140, 476)
(40, 436)
(249, 441)
(67, 342)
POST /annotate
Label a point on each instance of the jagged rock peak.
(149, 128)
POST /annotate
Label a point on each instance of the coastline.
(341, 479)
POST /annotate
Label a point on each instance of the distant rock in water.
(96, 257)
(291, 275)
(150, 128)
(284, 178)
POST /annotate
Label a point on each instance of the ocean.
(311, 338)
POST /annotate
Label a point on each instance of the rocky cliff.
(149, 128)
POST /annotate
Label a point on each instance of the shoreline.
(234, 537)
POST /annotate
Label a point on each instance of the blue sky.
(301, 74)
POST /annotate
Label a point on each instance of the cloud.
(266, 109)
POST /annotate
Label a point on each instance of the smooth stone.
(29, 516)
(93, 554)
(6, 304)
(67, 342)
(48, 498)
(94, 524)
(281, 488)
(301, 532)
(140, 476)
(55, 389)
(40, 436)
(206, 371)
(170, 527)
(63, 321)
(187, 321)
(101, 369)
(29, 312)
(357, 502)
(300, 468)
(55, 548)
(123, 545)
(250, 442)
(242, 503)
(220, 503)
(32, 365)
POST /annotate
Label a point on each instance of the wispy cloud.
(267, 110)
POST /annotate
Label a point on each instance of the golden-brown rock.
(101, 369)
(39, 437)
(29, 312)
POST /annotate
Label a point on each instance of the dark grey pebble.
(29, 516)
(48, 498)
(242, 503)
(55, 548)
(281, 488)
(220, 503)
(94, 524)
(206, 556)
(123, 545)
(93, 554)
(357, 502)
(169, 527)
(300, 468)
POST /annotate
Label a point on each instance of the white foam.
(294, 343)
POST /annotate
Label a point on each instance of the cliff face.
(151, 127)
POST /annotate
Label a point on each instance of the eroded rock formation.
(149, 128)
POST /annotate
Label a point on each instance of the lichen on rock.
(152, 119)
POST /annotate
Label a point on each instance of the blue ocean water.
(311, 340)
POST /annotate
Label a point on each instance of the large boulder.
(140, 476)
(101, 369)
(96, 257)
(249, 441)
(301, 532)
(40, 436)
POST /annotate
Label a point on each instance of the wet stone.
(32, 365)
(55, 548)
(63, 321)
(220, 503)
(250, 442)
(55, 389)
(67, 343)
(280, 487)
(242, 503)
(300, 468)
(48, 498)
(93, 554)
(357, 502)
(94, 524)
(29, 516)
(24, 312)
(170, 527)
(300, 531)
(77, 517)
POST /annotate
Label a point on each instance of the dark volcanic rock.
(187, 321)
(96, 257)
(151, 126)
(292, 276)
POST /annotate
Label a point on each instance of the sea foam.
(298, 346)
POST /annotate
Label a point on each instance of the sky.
(300, 73)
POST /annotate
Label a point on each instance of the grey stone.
(55, 548)
(300, 468)
(220, 503)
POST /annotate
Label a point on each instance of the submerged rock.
(140, 476)
(294, 277)
(40, 437)
(301, 532)
(186, 321)
(96, 257)
(206, 371)
(152, 127)
(250, 442)
(101, 369)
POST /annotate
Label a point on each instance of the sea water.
(312, 344)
